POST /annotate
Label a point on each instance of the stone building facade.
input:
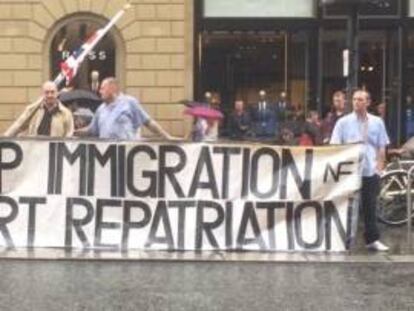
(153, 43)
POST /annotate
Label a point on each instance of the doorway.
(378, 71)
(237, 65)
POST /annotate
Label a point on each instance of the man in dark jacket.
(239, 121)
(264, 118)
(337, 112)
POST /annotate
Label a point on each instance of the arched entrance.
(104, 61)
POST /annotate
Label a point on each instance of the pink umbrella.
(204, 112)
(191, 103)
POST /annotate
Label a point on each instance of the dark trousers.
(369, 194)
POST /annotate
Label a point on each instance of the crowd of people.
(282, 123)
(120, 117)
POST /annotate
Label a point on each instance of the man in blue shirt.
(363, 127)
(120, 116)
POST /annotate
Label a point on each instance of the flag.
(70, 66)
(68, 70)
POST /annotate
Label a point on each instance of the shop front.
(304, 49)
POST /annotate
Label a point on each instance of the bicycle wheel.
(392, 199)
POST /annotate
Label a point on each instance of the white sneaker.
(377, 246)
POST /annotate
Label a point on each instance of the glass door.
(380, 74)
(237, 65)
(378, 71)
(332, 79)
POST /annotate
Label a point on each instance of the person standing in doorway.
(239, 121)
(337, 112)
(95, 81)
(283, 108)
(264, 118)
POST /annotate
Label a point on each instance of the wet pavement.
(394, 237)
(92, 285)
(53, 279)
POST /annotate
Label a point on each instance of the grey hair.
(111, 80)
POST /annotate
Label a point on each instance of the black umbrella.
(83, 98)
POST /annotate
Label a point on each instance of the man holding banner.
(363, 127)
(48, 117)
(120, 116)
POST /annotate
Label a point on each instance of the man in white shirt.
(363, 127)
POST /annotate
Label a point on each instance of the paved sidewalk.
(197, 286)
(395, 238)
(206, 256)
(53, 279)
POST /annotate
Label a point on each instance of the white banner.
(129, 195)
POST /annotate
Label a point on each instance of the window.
(259, 8)
(367, 9)
(100, 62)
(240, 64)
(411, 10)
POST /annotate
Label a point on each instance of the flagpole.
(95, 40)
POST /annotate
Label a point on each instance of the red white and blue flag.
(70, 66)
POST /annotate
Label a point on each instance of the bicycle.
(392, 199)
